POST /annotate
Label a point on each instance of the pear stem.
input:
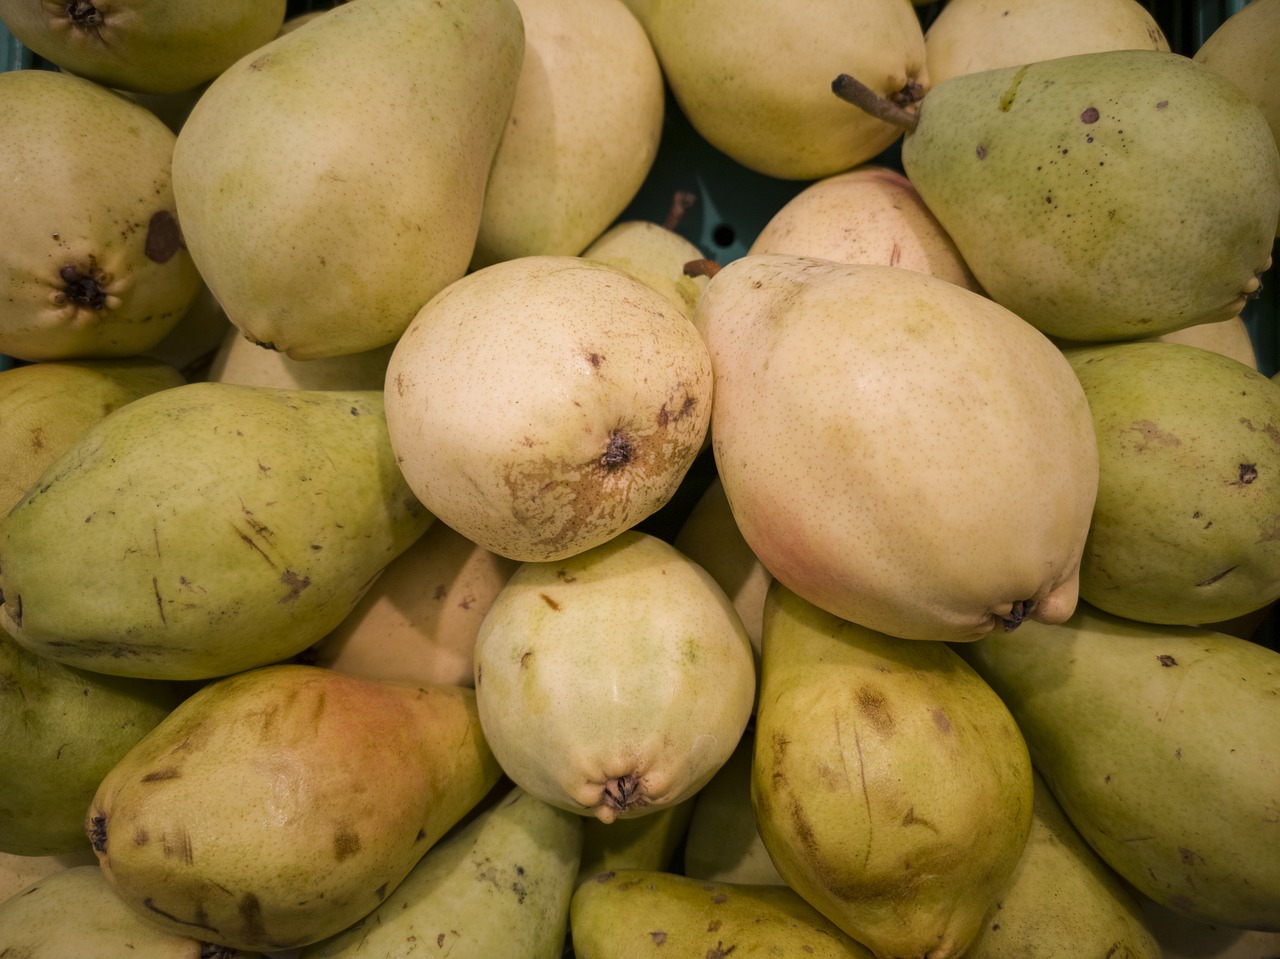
(680, 203)
(701, 267)
(864, 98)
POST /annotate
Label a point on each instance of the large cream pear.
(870, 214)
(583, 131)
(754, 76)
(331, 182)
(615, 683)
(544, 404)
(898, 450)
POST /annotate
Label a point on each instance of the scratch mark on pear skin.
(155, 586)
(252, 545)
(866, 796)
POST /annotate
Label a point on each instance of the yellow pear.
(582, 134)
(654, 254)
(239, 360)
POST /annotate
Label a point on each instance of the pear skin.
(639, 842)
(891, 786)
(653, 254)
(276, 807)
(1159, 744)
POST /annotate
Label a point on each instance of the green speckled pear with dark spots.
(206, 529)
(1102, 196)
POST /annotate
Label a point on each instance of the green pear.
(1062, 901)
(1181, 937)
(891, 786)
(75, 912)
(637, 913)
(655, 255)
(498, 885)
(969, 36)
(723, 843)
(583, 401)
(754, 78)
(239, 360)
(331, 181)
(46, 407)
(1186, 522)
(149, 46)
(206, 529)
(638, 842)
(61, 731)
(276, 807)
(615, 682)
(92, 261)
(853, 408)
(870, 214)
(1159, 744)
(1152, 175)
(582, 134)
(1245, 48)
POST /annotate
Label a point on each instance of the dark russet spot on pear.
(1248, 473)
(295, 583)
(595, 359)
(251, 917)
(1166, 660)
(941, 719)
(618, 453)
(719, 897)
(160, 775)
(875, 709)
(345, 843)
(164, 238)
(605, 876)
(911, 819)
(83, 287)
(1089, 115)
(1216, 577)
(982, 152)
(1189, 857)
(549, 601)
(1162, 104)
(141, 837)
(422, 834)
(658, 937)
(666, 416)
(713, 925)
(15, 607)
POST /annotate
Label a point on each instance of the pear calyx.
(621, 793)
(1020, 611)
(895, 109)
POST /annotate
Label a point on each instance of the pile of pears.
(415, 541)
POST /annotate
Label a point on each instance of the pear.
(276, 807)
(61, 731)
(582, 134)
(92, 261)
(75, 912)
(656, 255)
(418, 622)
(149, 46)
(331, 181)
(852, 404)
(1145, 171)
(239, 360)
(1159, 744)
(636, 842)
(1228, 337)
(1184, 938)
(17, 872)
(616, 682)
(723, 843)
(753, 78)
(192, 344)
(870, 214)
(1188, 507)
(1245, 48)
(635, 913)
(891, 786)
(969, 36)
(206, 529)
(1062, 901)
(583, 401)
(46, 407)
(498, 885)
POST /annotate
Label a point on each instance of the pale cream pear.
(240, 360)
(418, 622)
(754, 78)
(276, 807)
(870, 214)
(853, 405)
(655, 255)
(331, 182)
(583, 400)
(17, 872)
(968, 36)
(582, 134)
(150, 46)
(1230, 337)
(891, 786)
(616, 682)
(92, 261)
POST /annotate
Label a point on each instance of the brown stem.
(680, 204)
(701, 267)
(867, 100)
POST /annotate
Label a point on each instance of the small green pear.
(616, 682)
(1159, 744)
(276, 807)
(638, 913)
(92, 260)
(331, 182)
(205, 529)
(75, 912)
(46, 407)
(654, 254)
(891, 786)
(635, 842)
(61, 731)
(1186, 525)
(148, 46)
